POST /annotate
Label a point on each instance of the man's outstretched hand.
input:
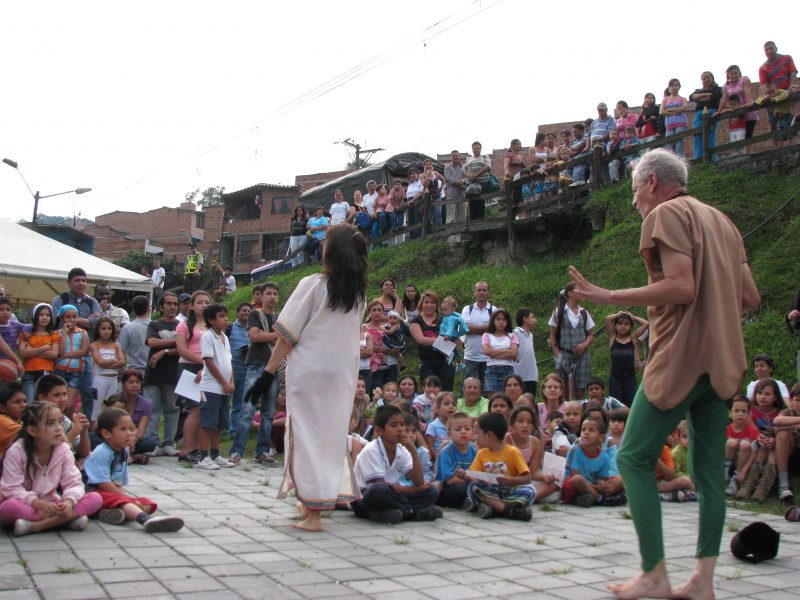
(260, 386)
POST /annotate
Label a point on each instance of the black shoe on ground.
(163, 524)
(389, 515)
(428, 514)
(615, 499)
(520, 513)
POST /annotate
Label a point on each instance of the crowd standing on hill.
(90, 391)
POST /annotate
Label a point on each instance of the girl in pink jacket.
(35, 467)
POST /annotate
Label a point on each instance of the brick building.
(306, 182)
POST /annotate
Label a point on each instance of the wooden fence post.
(426, 214)
(512, 234)
(598, 167)
(706, 136)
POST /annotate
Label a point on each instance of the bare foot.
(303, 511)
(699, 587)
(313, 522)
(647, 584)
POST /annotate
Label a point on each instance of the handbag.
(473, 189)
(492, 185)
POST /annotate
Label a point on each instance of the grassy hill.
(611, 259)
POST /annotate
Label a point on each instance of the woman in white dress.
(318, 332)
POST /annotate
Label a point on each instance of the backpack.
(363, 220)
(582, 313)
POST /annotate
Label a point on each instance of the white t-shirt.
(158, 277)
(525, 364)
(230, 285)
(369, 203)
(474, 315)
(751, 388)
(339, 212)
(573, 317)
(218, 348)
(373, 464)
(499, 343)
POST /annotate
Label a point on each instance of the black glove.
(260, 386)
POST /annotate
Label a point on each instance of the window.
(200, 220)
(281, 206)
(274, 247)
(246, 248)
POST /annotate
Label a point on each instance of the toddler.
(554, 420)
(513, 494)
(457, 454)
(570, 428)
(107, 471)
(452, 327)
(737, 125)
(425, 403)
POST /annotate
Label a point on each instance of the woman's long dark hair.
(49, 328)
(191, 320)
(346, 266)
(407, 304)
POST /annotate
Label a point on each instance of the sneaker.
(191, 457)
(428, 514)
(732, 488)
(163, 524)
(141, 459)
(22, 527)
(112, 516)
(485, 511)
(389, 515)
(235, 458)
(468, 506)
(169, 450)
(79, 524)
(785, 493)
(273, 452)
(689, 496)
(577, 183)
(224, 462)
(520, 513)
(679, 496)
(207, 464)
(157, 451)
(616, 499)
(264, 458)
(584, 500)
(553, 498)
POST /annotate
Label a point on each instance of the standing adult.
(318, 333)
(454, 176)
(706, 99)
(158, 277)
(240, 344)
(424, 328)
(477, 170)
(297, 234)
(778, 71)
(513, 163)
(120, 316)
(317, 228)
(88, 312)
(414, 193)
(340, 209)
(161, 375)
(133, 338)
(691, 251)
(262, 336)
(193, 269)
(477, 316)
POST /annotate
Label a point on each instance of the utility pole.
(357, 147)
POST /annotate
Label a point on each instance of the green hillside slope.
(611, 259)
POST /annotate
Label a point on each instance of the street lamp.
(36, 195)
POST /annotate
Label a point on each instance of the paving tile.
(76, 592)
(138, 589)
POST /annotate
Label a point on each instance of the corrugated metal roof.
(257, 188)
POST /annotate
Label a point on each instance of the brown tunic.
(704, 336)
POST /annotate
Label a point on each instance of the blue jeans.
(697, 138)
(581, 171)
(415, 217)
(162, 399)
(29, 380)
(676, 147)
(87, 396)
(239, 381)
(264, 439)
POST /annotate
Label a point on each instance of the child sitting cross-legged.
(570, 429)
(526, 437)
(787, 443)
(107, 471)
(412, 430)
(513, 494)
(681, 485)
(740, 434)
(437, 433)
(589, 475)
(457, 454)
(379, 468)
(41, 485)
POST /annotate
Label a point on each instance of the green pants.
(645, 434)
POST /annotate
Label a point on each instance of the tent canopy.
(395, 167)
(33, 267)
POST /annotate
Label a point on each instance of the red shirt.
(778, 72)
(750, 432)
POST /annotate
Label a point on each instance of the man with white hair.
(699, 284)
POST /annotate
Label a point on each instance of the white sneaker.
(207, 464)
(169, 450)
(158, 451)
(732, 488)
(224, 462)
(577, 183)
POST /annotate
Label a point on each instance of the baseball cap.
(184, 297)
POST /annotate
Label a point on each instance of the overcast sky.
(146, 101)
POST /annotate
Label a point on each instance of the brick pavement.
(238, 543)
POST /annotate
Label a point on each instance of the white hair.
(670, 168)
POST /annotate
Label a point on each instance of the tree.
(209, 197)
(356, 164)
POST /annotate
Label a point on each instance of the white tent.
(33, 267)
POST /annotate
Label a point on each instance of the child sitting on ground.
(787, 443)
(596, 392)
(526, 437)
(12, 403)
(107, 471)
(379, 467)
(501, 404)
(437, 433)
(527, 399)
(452, 327)
(588, 467)
(616, 426)
(512, 494)
(554, 420)
(594, 410)
(412, 430)
(52, 388)
(457, 454)
(740, 434)
(680, 458)
(41, 486)
(425, 403)
(570, 428)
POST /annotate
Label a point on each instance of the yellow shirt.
(508, 462)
